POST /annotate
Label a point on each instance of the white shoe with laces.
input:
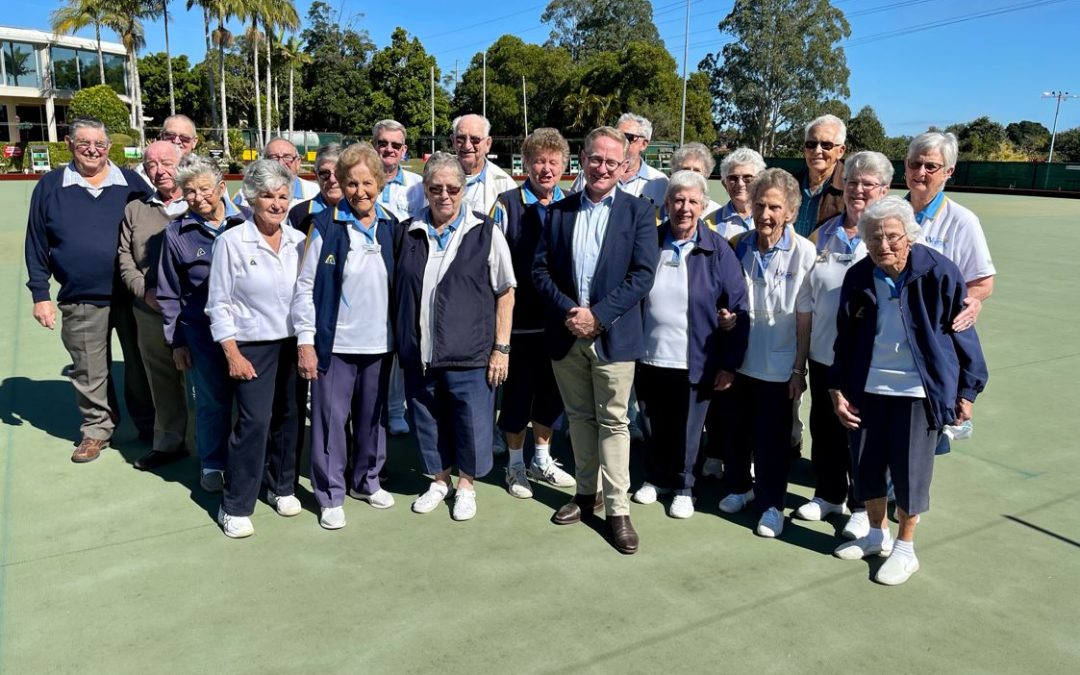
(736, 502)
(648, 493)
(332, 517)
(235, 527)
(771, 523)
(285, 505)
(682, 507)
(818, 509)
(517, 482)
(858, 525)
(430, 500)
(464, 505)
(550, 472)
(380, 499)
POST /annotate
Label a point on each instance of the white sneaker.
(858, 525)
(818, 509)
(430, 500)
(464, 505)
(550, 473)
(332, 517)
(235, 527)
(517, 482)
(285, 505)
(735, 502)
(862, 548)
(380, 499)
(647, 493)
(771, 523)
(712, 467)
(398, 426)
(897, 569)
(682, 506)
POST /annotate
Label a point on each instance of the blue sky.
(917, 62)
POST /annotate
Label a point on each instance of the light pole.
(1060, 96)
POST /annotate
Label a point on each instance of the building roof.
(43, 37)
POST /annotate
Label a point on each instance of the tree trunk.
(100, 56)
(258, 99)
(277, 107)
(221, 72)
(269, 80)
(292, 72)
(168, 57)
(210, 70)
(137, 97)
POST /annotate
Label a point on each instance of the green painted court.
(106, 569)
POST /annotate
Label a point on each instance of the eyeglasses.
(86, 145)
(745, 178)
(825, 145)
(324, 174)
(173, 136)
(892, 239)
(474, 140)
(630, 138)
(864, 185)
(451, 190)
(203, 191)
(929, 167)
(288, 159)
(381, 143)
(596, 161)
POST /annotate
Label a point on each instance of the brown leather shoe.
(89, 450)
(580, 506)
(623, 535)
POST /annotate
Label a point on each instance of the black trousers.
(673, 411)
(262, 446)
(763, 432)
(829, 451)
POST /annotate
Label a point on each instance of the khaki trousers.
(84, 330)
(167, 388)
(595, 395)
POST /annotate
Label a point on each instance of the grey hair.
(869, 162)
(693, 151)
(266, 148)
(945, 143)
(643, 125)
(194, 166)
(264, 175)
(386, 125)
(87, 123)
(829, 121)
(686, 180)
(742, 157)
(459, 118)
(327, 153)
(179, 118)
(443, 161)
(888, 208)
(609, 132)
(781, 180)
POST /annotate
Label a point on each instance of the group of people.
(631, 296)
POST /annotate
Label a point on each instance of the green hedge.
(59, 155)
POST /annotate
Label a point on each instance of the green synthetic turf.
(109, 570)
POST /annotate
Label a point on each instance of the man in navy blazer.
(594, 264)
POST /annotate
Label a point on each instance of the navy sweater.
(73, 236)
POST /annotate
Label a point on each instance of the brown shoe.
(623, 535)
(89, 450)
(573, 511)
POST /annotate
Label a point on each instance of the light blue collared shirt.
(530, 198)
(73, 177)
(589, 229)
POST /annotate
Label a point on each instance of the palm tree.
(253, 35)
(79, 14)
(168, 56)
(275, 14)
(294, 55)
(205, 5)
(125, 20)
(225, 10)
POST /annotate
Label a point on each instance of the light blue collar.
(529, 197)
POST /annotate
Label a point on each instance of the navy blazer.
(715, 280)
(624, 276)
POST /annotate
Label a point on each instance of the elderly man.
(823, 181)
(141, 235)
(71, 234)
(403, 194)
(178, 130)
(595, 263)
(638, 178)
(285, 153)
(484, 181)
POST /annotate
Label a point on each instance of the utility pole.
(484, 108)
(433, 110)
(525, 105)
(685, 57)
(1060, 96)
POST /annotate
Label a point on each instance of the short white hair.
(693, 150)
(264, 175)
(742, 157)
(887, 208)
(443, 161)
(643, 125)
(388, 125)
(686, 180)
(945, 143)
(484, 120)
(828, 121)
(869, 162)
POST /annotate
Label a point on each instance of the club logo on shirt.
(200, 252)
(330, 260)
(252, 262)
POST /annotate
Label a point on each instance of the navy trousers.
(673, 412)
(452, 413)
(829, 455)
(763, 410)
(213, 389)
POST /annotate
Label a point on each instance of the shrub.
(101, 102)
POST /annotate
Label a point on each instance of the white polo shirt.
(727, 222)
(892, 365)
(404, 195)
(500, 267)
(250, 286)
(666, 308)
(483, 189)
(956, 233)
(775, 282)
(836, 253)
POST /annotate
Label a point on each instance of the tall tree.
(979, 138)
(293, 54)
(1030, 137)
(278, 15)
(254, 9)
(125, 18)
(586, 27)
(783, 60)
(189, 93)
(402, 70)
(205, 6)
(79, 14)
(865, 132)
(168, 57)
(224, 10)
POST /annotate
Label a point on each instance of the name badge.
(845, 257)
(371, 248)
(673, 261)
(436, 254)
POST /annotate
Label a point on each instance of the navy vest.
(523, 229)
(463, 329)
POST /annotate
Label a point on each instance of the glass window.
(65, 66)
(116, 73)
(32, 125)
(5, 129)
(20, 65)
(88, 69)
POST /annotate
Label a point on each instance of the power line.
(877, 37)
(473, 24)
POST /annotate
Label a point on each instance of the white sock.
(879, 535)
(517, 456)
(904, 548)
(542, 455)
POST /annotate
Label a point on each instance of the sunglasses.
(172, 136)
(825, 145)
(451, 190)
(381, 143)
(630, 138)
(324, 174)
(474, 140)
(745, 178)
(929, 167)
(288, 159)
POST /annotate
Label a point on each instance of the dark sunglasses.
(172, 136)
(630, 138)
(451, 190)
(393, 144)
(929, 167)
(825, 145)
(324, 174)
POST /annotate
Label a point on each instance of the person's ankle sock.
(904, 549)
(517, 456)
(542, 455)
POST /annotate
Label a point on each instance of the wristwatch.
(501, 348)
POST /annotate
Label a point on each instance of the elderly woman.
(698, 158)
(182, 292)
(530, 392)
(252, 280)
(737, 170)
(341, 313)
(454, 280)
(867, 176)
(776, 264)
(326, 159)
(687, 354)
(907, 373)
